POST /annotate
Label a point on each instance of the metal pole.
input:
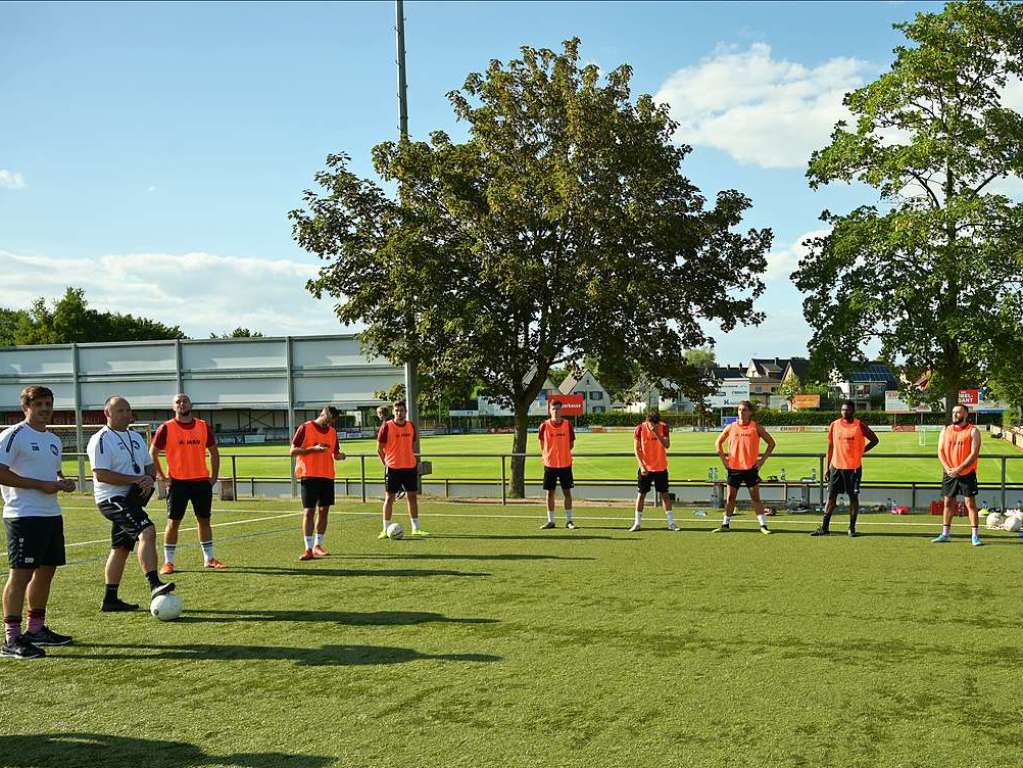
(1003, 483)
(411, 366)
(79, 437)
(821, 477)
(234, 476)
(362, 474)
(504, 481)
(291, 407)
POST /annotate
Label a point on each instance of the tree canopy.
(933, 268)
(561, 228)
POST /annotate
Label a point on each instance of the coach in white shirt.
(123, 474)
(30, 479)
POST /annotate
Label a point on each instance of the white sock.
(671, 517)
(568, 514)
(169, 550)
(726, 519)
(319, 539)
(762, 519)
(550, 515)
(639, 519)
(415, 523)
(308, 542)
(207, 550)
(386, 523)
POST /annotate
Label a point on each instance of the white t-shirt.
(35, 455)
(119, 452)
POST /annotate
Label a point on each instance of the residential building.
(595, 397)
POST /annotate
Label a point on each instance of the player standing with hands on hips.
(743, 463)
(30, 479)
(186, 439)
(556, 438)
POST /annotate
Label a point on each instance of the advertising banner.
(571, 405)
(729, 394)
(806, 402)
(969, 397)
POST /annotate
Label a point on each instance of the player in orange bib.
(315, 447)
(186, 440)
(848, 439)
(743, 462)
(396, 442)
(958, 451)
(557, 437)
(651, 442)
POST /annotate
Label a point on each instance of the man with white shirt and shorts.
(123, 477)
(30, 479)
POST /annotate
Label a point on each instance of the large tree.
(70, 320)
(927, 268)
(561, 228)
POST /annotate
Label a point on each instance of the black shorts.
(740, 477)
(845, 481)
(554, 475)
(317, 492)
(35, 541)
(658, 480)
(127, 521)
(399, 480)
(964, 485)
(199, 492)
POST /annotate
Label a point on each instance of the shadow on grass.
(324, 656)
(375, 618)
(503, 556)
(539, 536)
(346, 572)
(96, 750)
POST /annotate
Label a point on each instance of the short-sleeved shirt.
(119, 452)
(556, 443)
(398, 441)
(34, 455)
(185, 444)
(655, 457)
(310, 434)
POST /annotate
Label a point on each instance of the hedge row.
(764, 416)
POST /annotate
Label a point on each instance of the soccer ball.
(395, 531)
(166, 607)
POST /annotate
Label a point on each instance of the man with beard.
(958, 451)
(848, 439)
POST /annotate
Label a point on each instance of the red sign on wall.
(571, 405)
(969, 397)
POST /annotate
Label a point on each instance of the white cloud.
(781, 264)
(761, 110)
(201, 292)
(11, 179)
(150, 188)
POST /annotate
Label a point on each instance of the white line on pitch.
(218, 525)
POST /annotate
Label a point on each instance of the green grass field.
(492, 643)
(465, 466)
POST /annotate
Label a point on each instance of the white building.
(595, 397)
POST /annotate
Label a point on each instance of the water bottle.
(781, 474)
(813, 475)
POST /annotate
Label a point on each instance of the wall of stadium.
(279, 379)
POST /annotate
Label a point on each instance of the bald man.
(123, 476)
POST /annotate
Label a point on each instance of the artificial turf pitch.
(457, 457)
(492, 643)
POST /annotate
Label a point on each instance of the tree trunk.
(518, 463)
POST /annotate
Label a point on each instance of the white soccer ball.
(994, 521)
(395, 531)
(1012, 523)
(166, 607)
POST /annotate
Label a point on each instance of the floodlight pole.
(411, 372)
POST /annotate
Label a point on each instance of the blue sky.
(150, 153)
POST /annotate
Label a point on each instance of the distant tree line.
(70, 319)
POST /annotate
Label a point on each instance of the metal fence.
(369, 481)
